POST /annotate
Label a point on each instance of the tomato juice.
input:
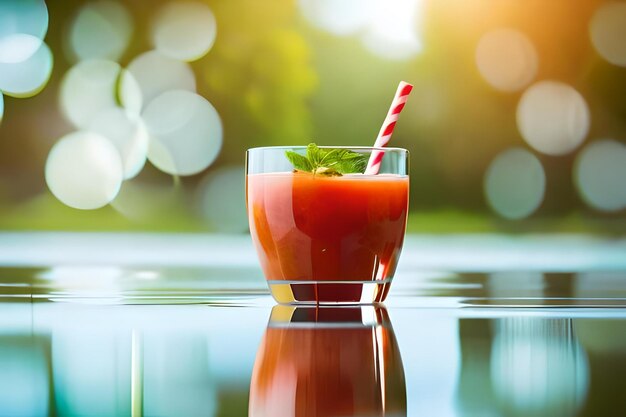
(328, 369)
(326, 231)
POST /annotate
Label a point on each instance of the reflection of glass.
(327, 238)
(176, 375)
(538, 367)
(328, 362)
(25, 380)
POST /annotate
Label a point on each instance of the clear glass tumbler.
(327, 238)
(328, 361)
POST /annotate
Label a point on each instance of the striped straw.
(373, 166)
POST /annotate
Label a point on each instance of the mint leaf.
(348, 162)
(299, 162)
(333, 162)
(315, 155)
(327, 172)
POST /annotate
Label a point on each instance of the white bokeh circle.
(387, 29)
(28, 77)
(18, 47)
(222, 199)
(608, 31)
(392, 33)
(553, 117)
(84, 170)
(185, 132)
(600, 175)
(506, 59)
(23, 26)
(129, 135)
(156, 73)
(92, 87)
(515, 184)
(340, 17)
(184, 30)
(101, 30)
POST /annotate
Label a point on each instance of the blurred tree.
(276, 79)
(259, 75)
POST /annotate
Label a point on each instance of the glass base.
(329, 292)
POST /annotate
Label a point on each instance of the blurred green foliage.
(274, 80)
(260, 75)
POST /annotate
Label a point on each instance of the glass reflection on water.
(175, 375)
(80, 359)
(522, 366)
(538, 367)
(328, 361)
(24, 375)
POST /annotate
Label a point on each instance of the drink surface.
(315, 228)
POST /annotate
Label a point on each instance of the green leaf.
(333, 162)
(314, 154)
(299, 162)
(327, 172)
(347, 162)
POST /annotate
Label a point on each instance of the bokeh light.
(101, 30)
(222, 199)
(18, 47)
(553, 117)
(144, 202)
(313, 70)
(92, 87)
(608, 31)
(393, 32)
(185, 132)
(156, 74)
(27, 78)
(387, 29)
(128, 134)
(23, 25)
(84, 170)
(515, 184)
(128, 93)
(600, 175)
(340, 17)
(184, 31)
(506, 59)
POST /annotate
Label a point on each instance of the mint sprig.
(332, 162)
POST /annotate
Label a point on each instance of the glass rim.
(301, 147)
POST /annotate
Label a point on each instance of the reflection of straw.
(380, 365)
(136, 375)
(373, 166)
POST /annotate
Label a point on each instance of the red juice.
(321, 239)
(337, 371)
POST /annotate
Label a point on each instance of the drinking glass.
(328, 361)
(327, 239)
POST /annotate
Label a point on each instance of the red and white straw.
(404, 89)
